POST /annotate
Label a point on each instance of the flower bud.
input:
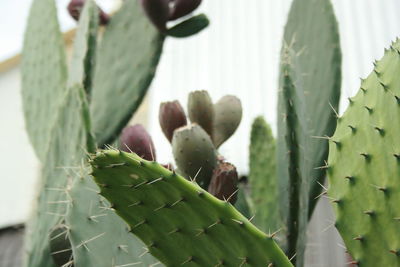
(136, 139)
(171, 117)
(224, 182)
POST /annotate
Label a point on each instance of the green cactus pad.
(201, 110)
(98, 236)
(125, 65)
(180, 223)
(44, 73)
(189, 27)
(364, 167)
(311, 69)
(82, 61)
(194, 153)
(227, 117)
(262, 177)
(63, 156)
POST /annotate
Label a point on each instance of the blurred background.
(238, 54)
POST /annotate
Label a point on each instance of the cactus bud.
(171, 117)
(157, 11)
(136, 139)
(75, 8)
(224, 182)
(181, 8)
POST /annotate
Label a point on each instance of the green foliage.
(125, 65)
(262, 177)
(44, 73)
(189, 27)
(364, 167)
(309, 91)
(180, 223)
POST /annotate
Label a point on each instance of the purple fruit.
(171, 117)
(224, 182)
(157, 11)
(181, 8)
(75, 8)
(136, 139)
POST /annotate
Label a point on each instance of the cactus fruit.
(75, 8)
(126, 62)
(60, 246)
(171, 116)
(157, 11)
(310, 90)
(363, 167)
(194, 153)
(136, 139)
(179, 222)
(182, 8)
(201, 110)
(224, 182)
(227, 117)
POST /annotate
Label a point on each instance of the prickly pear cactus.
(262, 177)
(125, 65)
(44, 73)
(364, 167)
(201, 110)
(180, 223)
(195, 154)
(310, 89)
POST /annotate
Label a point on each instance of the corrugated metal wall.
(239, 54)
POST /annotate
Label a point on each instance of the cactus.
(125, 66)
(60, 246)
(228, 114)
(194, 153)
(363, 167)
(262, 177)
(310, 83)
(201, 110)
(180, 223)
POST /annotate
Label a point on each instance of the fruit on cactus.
(201, 110)
(171, 116)
(157, 11)
(75, 8)
(224, 182)
(136, 139)
(182, 8)
(194, 153)
(179, 222)
(227, 117)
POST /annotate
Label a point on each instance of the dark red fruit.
(136, 139)
(157, 11)
(171, 117)
(75, 8)
(223, 184)
(181, 8)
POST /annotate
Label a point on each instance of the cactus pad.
(44, 73)
(180, 223)
(262, 177)
(201, 110)
(364, 167)
(126, 62)
(228, 114)
(194, 153)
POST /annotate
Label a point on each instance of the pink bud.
(182, 8)
(171, 117)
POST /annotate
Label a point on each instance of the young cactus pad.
(364, 163)
(181, 224)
